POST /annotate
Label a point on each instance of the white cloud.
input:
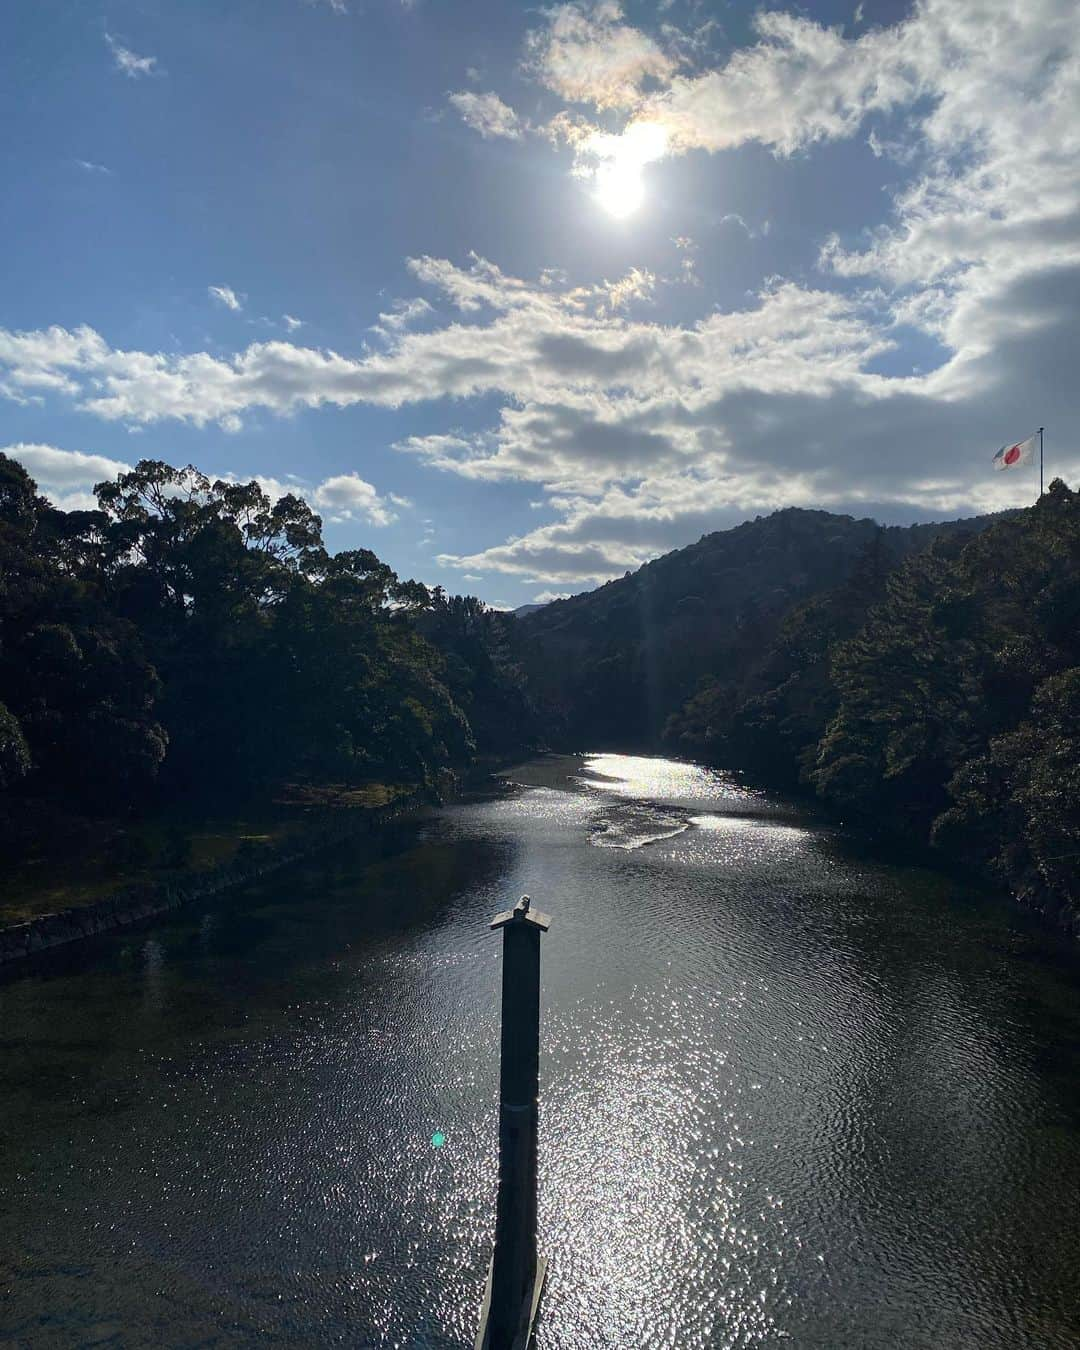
(88, 166)
(225, 295)
(63, 470)
(291, 323)
(733, 218)
(343, 497)
(546, 597)
(599, 538)
(586, 54)
(982, 253)
(687, 249)
(978, 75)
(347, 496)
(128, 62)
(800, 83)
(400, 315)
(488, 114)
(274, 488)
(641, 434)
(639, 284)
(66, 477)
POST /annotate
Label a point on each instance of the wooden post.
(516, 1276)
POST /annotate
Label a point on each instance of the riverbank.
(220, 854)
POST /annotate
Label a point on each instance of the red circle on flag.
(1012, 454)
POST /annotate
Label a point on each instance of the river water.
(794, 1092)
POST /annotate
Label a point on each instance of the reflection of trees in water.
(817, 1076)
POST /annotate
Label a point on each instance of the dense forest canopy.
(191, 636)
(926, 680)
(615, 663)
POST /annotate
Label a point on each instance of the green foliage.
(194, 637)
(482, 667)
(926, 679)
(672, 652)
(14, 752)
(959, 702)
(72, 672)
(907, 699)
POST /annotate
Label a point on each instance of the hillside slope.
(612, 665)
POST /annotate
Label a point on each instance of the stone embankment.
(143, 900)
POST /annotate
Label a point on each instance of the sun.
(619, 177)
(619, 188)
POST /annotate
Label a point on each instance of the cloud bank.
(639, 432)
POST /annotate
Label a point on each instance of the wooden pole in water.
(516, 1276)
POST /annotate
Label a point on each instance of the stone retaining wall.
(143, 900)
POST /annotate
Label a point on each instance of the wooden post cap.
(522, 913)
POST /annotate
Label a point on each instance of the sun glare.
(620, 183)
(619, 188)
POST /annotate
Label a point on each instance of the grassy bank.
(74, 862)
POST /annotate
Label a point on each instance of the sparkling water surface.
(794, 1092)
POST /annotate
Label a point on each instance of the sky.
(521, 296)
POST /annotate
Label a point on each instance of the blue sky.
(520, 296)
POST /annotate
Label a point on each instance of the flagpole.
(1041, 430)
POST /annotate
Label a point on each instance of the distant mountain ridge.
(612, 665)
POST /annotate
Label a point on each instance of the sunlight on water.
(624, 826)
(663, 779)
(789, 1095)
(734, 841)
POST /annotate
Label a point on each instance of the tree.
(73, 676)
(482, 669)
(907, 700)
(14, 752)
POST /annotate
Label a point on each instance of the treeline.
(940, 697)
(612, 665)
(191, 637)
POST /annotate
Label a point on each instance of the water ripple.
(791, 1093)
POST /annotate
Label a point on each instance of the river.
(794, 1091)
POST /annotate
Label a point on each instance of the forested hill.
(611, 666)
(192, 638)
(927, 680)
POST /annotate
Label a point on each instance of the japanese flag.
(1012, 456)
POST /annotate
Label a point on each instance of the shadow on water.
(795, 1090)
